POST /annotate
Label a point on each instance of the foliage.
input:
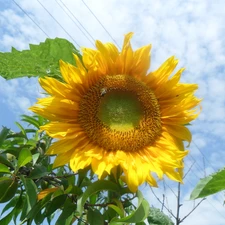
(209, 185)
(40, 60)
(34, 191)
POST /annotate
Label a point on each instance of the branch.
(162, 203)
(178, 205)
(192, 210)
(110, 203)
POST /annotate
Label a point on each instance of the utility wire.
(206, 198)
(204, 155)
(30, 18)
(58, 22)
(100, 23)
(93, 40)
(201, 169)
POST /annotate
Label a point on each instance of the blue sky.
(192, 30)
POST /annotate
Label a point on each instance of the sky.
(192, 30)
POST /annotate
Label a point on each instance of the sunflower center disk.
(120, 110)
(120, 113)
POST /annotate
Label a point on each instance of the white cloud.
(191, 30)
(19, 94)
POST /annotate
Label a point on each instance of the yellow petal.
(62, 159)
(141, 61)
(61, 146)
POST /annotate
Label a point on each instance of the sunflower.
(112, 115)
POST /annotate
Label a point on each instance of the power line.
(204, 156)
(30, 18)
(206, 198)
(198, 177)
(77, 21)
(57, 22)
(200, 169)
(101, 23)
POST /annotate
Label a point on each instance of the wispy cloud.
(19, 94)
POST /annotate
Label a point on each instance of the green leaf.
(93, 199)
(40, 60)
(66, 216)
(24, 157)
(4, 169)
(22, 129)
(74, 190)
(156, 217)
(117, 210)
(31, 192)
(18, 208)
(139, 215)
(31, 120)
(38, 172)
(11, 204)
(3, 134)
(4, 161)
(83, 177)
(55, 204)
(16, 203)
(38, 219)
(93, 188)
(8, 188)
(7, 218)
(209, 185)
(35, 158)
(36, 209)
(94, 217)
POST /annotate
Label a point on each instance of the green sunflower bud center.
(120, 110)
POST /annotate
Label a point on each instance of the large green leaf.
(40, 60)
(209, 185)
(93, 188)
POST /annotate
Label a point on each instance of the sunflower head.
(112, 114)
